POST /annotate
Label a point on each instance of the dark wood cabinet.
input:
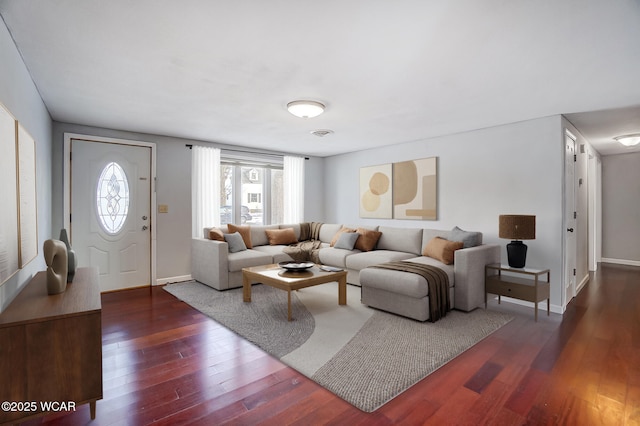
(51, 348)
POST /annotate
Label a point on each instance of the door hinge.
(69, 218)
(575, 158)
(575, 215)
(574, 272)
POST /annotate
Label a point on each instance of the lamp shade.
(517, 227)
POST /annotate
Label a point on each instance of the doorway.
(570, 215)
(109, 199)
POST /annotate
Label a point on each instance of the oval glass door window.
(112, 198)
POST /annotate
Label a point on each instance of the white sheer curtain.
(205, 188)
(293, 179)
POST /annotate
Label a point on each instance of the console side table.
(520, 283)
(51, 347)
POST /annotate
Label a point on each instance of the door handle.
(569, 229)
(145, 227)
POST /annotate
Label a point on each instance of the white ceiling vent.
(321, 133)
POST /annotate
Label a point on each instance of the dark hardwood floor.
(166, 363)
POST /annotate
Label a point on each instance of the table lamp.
(516, 228)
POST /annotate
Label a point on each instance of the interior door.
(570, 220)
(110, 211)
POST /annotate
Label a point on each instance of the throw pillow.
(244, 230)
(216, 234)
(469, 239)
(235, 241)
(368, 239)
(441, 249)
(281, 236)
(342, 230)
(347, 240)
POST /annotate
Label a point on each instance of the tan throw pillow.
(340, 232)
(368, 239)
(216, 234)
(441, 249)
(281, 236)
(244, 230)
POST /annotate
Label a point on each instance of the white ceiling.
(389, 72)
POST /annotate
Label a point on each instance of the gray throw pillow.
(347, 240)
(235, 241)
(469, 239)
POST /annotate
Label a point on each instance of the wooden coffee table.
(274, 276)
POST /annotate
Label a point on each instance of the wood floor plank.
(165, 363)
(523, 397)
(492, 398)
(483, 377)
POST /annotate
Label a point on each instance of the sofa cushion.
(442, 250)
(275, 252)
(359, 261)
(395, 282)
(347, 240)
(244, 230)
(335, 256)
(235, 242)
(405, 283)
(247, 258)
(400, 239)
(425, 260)
(469, 239)
(222, 228)
(216, 234)
(327, 231)
(368, 239)
(281, 236)
(259, 235)
(297, 230)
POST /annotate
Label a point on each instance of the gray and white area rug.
(365, 356)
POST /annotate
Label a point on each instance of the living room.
(513, 166)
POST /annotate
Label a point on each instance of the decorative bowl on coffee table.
(291, 266)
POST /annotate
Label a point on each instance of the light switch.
(163, 208)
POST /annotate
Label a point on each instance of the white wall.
(20, 96)
(621, 209)
(173, 231)
(510, 169)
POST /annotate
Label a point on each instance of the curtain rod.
(248, 152)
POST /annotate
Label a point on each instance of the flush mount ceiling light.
(305, 109)
(629, 140)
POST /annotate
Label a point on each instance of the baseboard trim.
(621, 261)
(582, 283)
(171, 280)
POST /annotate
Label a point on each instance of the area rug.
(365, 356)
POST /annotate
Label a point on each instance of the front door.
(110, 211)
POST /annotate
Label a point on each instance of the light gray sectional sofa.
(395, 291)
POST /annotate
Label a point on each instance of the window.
(112, 198)
(248, 194)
